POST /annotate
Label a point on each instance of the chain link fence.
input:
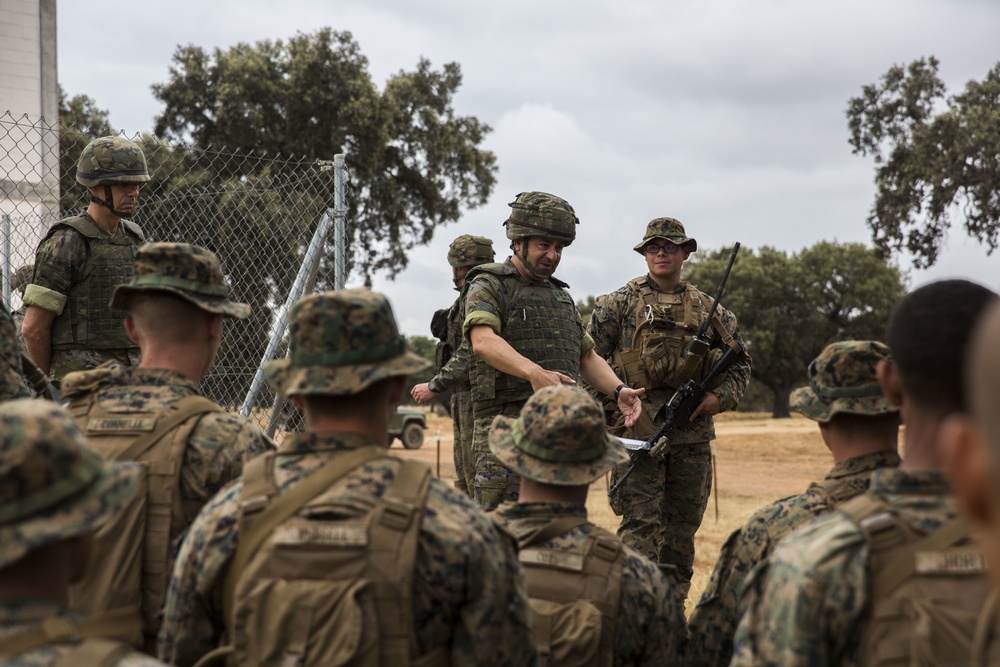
(266, 216)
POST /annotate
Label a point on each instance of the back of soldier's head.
(929, 332)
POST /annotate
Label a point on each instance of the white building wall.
(29, 143)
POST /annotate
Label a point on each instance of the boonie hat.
(53, 486)
(668, 229)
(189, 271)
(559, 438)
(842, 379)
(340, 343)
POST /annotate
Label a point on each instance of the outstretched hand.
(629, 404)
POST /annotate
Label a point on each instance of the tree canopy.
(790, 306)
(934, 157)
(413, 162)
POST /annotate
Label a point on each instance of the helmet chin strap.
(108, 202)
(524, 260)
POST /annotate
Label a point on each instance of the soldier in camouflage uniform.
(347, 368)
(974, 467)
(176, 304)
(642, 330)
(526, 333)
(54, 493)
(558, 445)
(812, 602)
(12, 384)
(860, 427)
(464, 253)
(68, 325)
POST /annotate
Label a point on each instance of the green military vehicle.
(408, 425)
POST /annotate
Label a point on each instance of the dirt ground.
(758, 459)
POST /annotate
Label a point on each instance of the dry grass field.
(758, 459)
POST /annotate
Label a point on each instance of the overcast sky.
(728, 115)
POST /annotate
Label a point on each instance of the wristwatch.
(619, 388)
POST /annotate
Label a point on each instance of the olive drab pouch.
(439, 329)
(573, 595)
(309, 586)
(927, 592)
(132, 552)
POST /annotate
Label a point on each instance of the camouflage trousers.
(70, 361)
(465, 462)
(662, 504)
(493, 482)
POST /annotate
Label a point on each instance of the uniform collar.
(305, 443)
(864, 463)
(906, 482)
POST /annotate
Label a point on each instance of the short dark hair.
(929, 332)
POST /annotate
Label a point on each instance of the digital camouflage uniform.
(19, 282)
(663, 501)
(53, 488)
(844, 374)
(453, 373)
(538, 318)
(12, 384)
(217, 443)
(468, 597)
(808, 605)
(559, 439)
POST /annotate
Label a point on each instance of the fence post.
(280, 320)
(6, 261)
(340, 215)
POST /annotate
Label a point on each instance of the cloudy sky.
(726, 114)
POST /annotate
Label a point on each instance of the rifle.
(678, 409)
(40, 383)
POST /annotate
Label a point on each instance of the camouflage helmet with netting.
(541, 214)
(468, 250)
(111, 160)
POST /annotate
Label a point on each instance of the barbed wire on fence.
(258, 212)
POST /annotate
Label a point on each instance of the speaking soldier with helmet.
(645, 330)
(453, 353)
(68, 325)
(526, 333)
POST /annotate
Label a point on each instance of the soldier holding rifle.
(660, 333)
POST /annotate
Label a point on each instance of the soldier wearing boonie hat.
(176, 303)
(347, 368)
(859, 426)
(54, 494)
(643, 330)
(67, 323)
(559, 446)
(452, 356)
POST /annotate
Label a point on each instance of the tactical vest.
(540, 322)
(926, 592)
(665, 322)
(97, 641)
(86, 320)
(307, 586)
(573, 594)
(131, 559)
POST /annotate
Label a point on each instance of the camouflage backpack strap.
(923, 555)
(167, 421)
(82, 224)
(58, 630)
(984, 641)
(268, 514)
(720, 328)
(393, 543)
(879, 523)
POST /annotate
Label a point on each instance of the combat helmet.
(541, 214)
(468, 250)
(107, 161)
